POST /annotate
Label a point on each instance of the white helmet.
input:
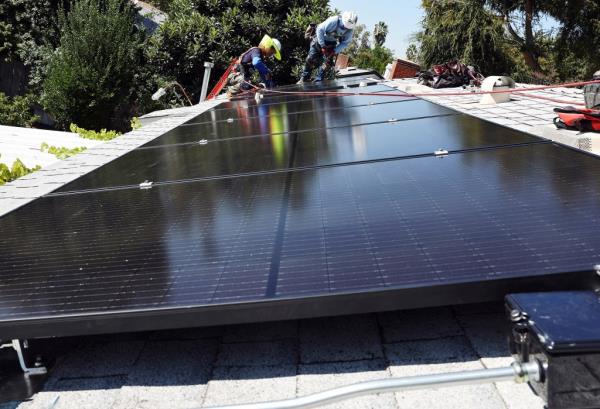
(349, 19)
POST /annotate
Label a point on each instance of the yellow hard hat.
(274, 43)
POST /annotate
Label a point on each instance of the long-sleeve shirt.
(332, 31)
(253, 59)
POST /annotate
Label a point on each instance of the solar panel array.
(298, 197)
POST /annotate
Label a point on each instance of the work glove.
(327, 52)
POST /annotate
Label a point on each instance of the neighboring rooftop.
(25, 144)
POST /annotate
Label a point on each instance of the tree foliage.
(221, 30)
(578, 41)
(361, 39)
(466, 30)
(509, 34)
(25, 23)
(91, 74)
(360, 52)
(380, 33)
(16, 111)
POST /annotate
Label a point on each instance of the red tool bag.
(582, 120)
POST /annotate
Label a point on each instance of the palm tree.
(380, 33)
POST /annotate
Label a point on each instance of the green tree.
(380, 33)
(578, 39)
(28, 33)
(463, 29)
(412, 53)
(16, 111)
(360, 40)
(219, 31)
(27, 22)
(373, 58)
(519, 17)
(362, 55)
(91, 74)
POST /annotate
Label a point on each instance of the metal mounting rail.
(519, 372)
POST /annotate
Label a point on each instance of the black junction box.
(562, 331)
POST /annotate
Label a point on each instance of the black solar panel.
(322, 147)
(313, 217)
(275, 120)
(313, 91)
(294, 105)
(481, 215)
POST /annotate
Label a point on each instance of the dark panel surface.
(477, 217)
(313, 148)
(350, 85)
(274, 119)
(294, 105)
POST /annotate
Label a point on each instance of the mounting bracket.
(16, 345)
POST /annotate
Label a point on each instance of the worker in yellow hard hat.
(253, 60)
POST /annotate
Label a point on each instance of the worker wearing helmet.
(332, 37)
(254, 60)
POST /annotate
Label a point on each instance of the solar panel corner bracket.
(19, 347)
(146, 184)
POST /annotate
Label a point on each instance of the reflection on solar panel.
(308, 214)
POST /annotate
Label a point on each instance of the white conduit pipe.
(519, 372)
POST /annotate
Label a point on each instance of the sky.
(403, 18)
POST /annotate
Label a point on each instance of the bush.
(16, 111)
(90, 76)
(17, 170)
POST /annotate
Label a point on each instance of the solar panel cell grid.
(275, 120)
(313, 148)
(362, 227)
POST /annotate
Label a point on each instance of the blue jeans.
(314, 60)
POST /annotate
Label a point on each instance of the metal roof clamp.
(229, 120)
(391, 120)
(146, 184)
(440, 153)
(16, 345)
(203, 142)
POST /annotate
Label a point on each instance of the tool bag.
(451, 74)
(582, 120)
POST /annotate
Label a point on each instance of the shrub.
(90, 75)
(16, 111)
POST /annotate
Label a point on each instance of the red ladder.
(222, 81)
